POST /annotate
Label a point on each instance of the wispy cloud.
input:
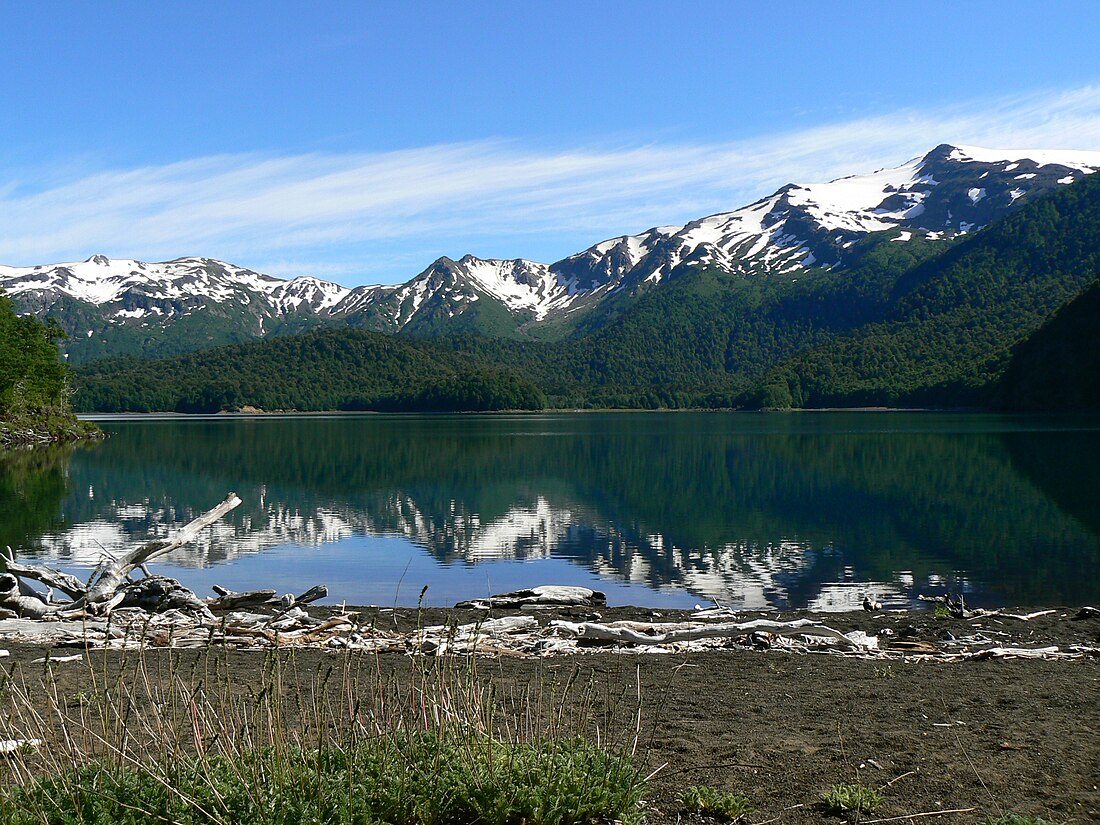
(385, 215)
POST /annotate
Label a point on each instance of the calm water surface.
(756, 510)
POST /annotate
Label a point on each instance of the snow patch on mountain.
(932, 197)
(100, 280)
(1081, 160)
(519, 284)
(951, 190)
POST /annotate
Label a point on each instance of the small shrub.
(703, 799)
(856, 798)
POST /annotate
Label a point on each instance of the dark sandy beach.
(995, 736)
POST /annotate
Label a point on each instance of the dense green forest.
(1058, 368)
(915, 323)
(34, 394)
(331, 369)
(950, 324)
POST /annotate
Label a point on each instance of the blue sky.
(359, 141)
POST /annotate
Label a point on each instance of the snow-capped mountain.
(138, 290)
(100, 280)
(950, 191)
(110, 306)
(449, 288)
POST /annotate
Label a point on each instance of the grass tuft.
(709, 801)
(854, 798)
(1017, 819)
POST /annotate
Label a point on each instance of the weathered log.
(230, 600)
(630, 633)
(290, 601)
(321, 632)
(545, 595)
(474, 637)
(1050, 652)
(1027, 617)
(70, 585)
(111, 574)
(159, 594)
(27, 605)
(318, 591)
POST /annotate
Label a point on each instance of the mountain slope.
(155, 309)
(948, 192)
(922, 322)
(1058, 368)
(951, 323)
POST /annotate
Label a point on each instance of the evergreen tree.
(34, 397)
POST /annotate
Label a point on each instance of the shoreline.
(258, 413)
(535, 632)
(25, 434)
(984, 737)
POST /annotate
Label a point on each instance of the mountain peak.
(99, 260)
(945, 151)
(1082, 160)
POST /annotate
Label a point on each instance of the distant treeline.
(332, 369)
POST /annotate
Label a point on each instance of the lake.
(755, 510)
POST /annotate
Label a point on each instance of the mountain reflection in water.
(758, 510)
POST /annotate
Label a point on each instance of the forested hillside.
(919, 323)
(950, 324)
(1058, 368)
(34, 401)
(338, 369)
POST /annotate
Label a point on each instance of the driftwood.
(157, 594)
(1049, 652)
(519, 635)
(13, 597)
(111, 590)
(70, 585)
(109, 581)
(645, 633)
(543, 596)
(111, 573)
(229, 600)
(318, 591)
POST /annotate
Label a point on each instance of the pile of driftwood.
(115, 609)
(527, 636)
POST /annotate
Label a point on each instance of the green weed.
(703, 799)
(854, 798)
(157, 737)
(427, 778)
